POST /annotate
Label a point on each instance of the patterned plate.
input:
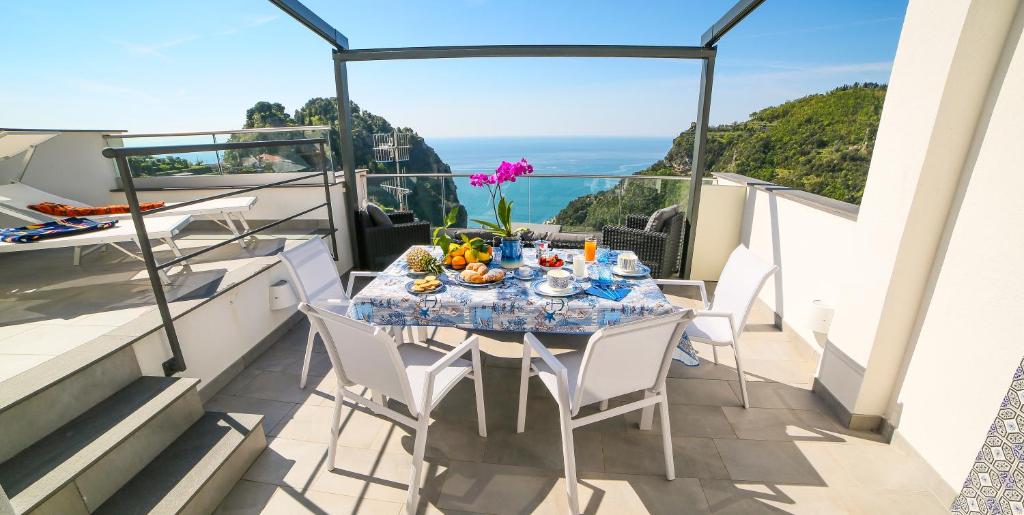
(408, 288)
(641, 270)
(540, 287)
(458, 280)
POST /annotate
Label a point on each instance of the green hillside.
(819, 143)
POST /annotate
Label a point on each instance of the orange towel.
(54, 209)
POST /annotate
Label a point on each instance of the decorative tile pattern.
(995, 485)
(512, 306)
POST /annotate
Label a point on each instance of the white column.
(948, 52)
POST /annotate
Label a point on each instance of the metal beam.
(307, 17)
(448, 52)
(347, 150)
(700, 143)
(728, 21)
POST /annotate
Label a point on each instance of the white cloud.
(154, 49)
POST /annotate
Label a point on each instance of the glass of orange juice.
(590, 248)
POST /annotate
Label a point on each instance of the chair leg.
(569, 456)
(332, 449)
(743, 379)
(524, 388)
(603, 406)
(417, 464)
(309, 356)
(666, 437)
(714, 352)
(647, 414)
(478, 385)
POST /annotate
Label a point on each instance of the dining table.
(513, 305)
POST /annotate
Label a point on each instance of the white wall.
(945, 61)
(811, 247)
(218, 333)
(718, 229)
(970, 335)
(69, 165)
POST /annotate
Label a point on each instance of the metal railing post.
(177, 362)
(347, 150)
(327, 193)
(700, 143)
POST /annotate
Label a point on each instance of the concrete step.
(196, 472)
(36, 403)
(80, 465)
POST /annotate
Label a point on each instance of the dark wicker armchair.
(656, 249)
(380, 245)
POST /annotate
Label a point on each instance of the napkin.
(610, 292)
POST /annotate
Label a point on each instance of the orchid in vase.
(511, 245)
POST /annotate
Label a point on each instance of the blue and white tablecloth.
(512, 306)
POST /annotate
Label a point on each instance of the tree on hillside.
(431, 197)
(266, 114)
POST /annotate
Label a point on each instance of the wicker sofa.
(658, 249)
(380, 245)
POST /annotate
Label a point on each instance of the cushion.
(55, 209)
(656, 223)
(379, 217)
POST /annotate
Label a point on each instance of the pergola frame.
(706, 53)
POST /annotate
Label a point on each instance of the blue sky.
(193, 65)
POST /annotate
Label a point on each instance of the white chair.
(721, 321)
(416, 376)
(618, 360)
(317, 281)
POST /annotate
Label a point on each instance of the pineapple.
(418, 259)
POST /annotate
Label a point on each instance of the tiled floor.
(783, 455)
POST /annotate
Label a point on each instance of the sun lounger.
(162, 228)
(16, 197)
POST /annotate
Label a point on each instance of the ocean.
(535, 201)
(539, 200)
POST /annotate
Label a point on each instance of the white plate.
(641, 270)
(541, 287)
(467, 284)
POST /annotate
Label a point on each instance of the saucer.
(541, 287)
(641, 270)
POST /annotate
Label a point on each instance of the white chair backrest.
(743, 276)
(313, 272)
(628, 357)
(362, 354)
(17, 196)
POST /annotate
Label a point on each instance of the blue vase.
(511, 252)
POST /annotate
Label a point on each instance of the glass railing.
(260, 160)
(574, 203)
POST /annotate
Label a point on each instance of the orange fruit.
(458, 262)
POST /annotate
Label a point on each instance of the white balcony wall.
(969, 336)
(215, 337)
(810, 245)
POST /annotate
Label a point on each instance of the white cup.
(627, 261)
(558, 279)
